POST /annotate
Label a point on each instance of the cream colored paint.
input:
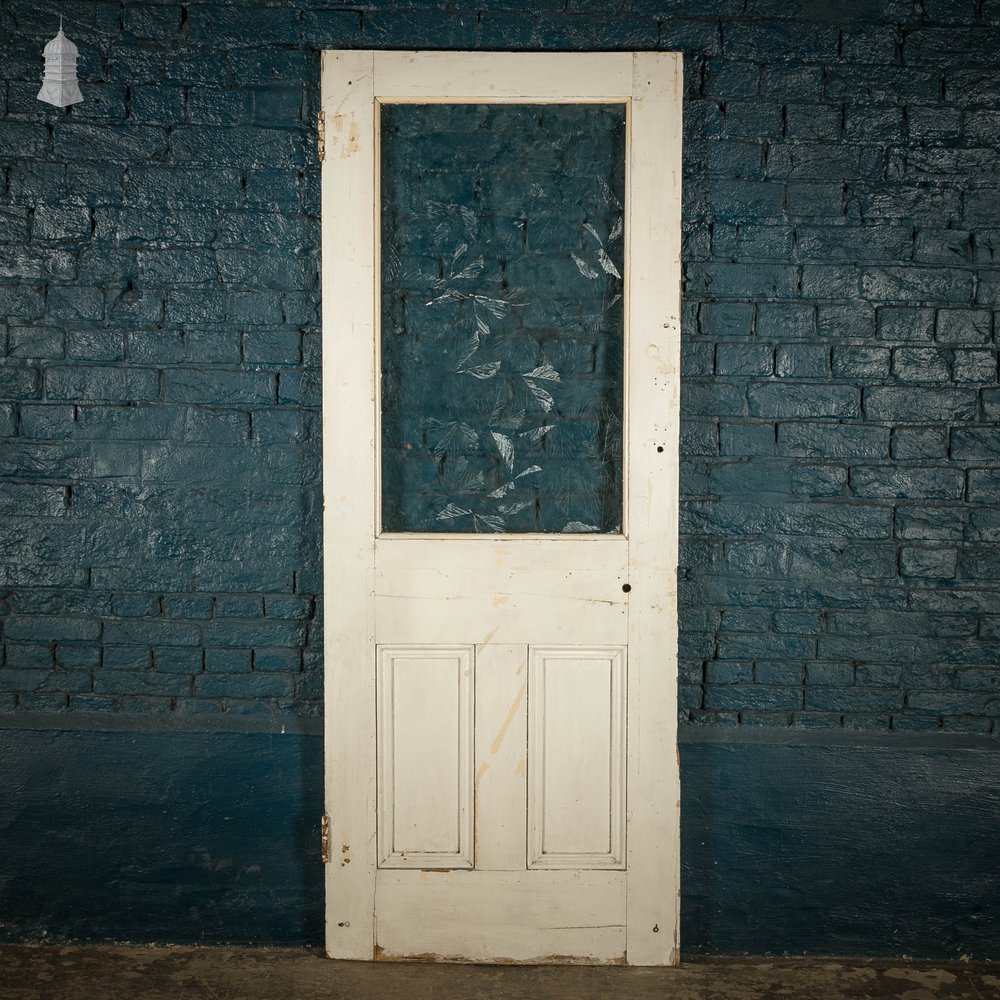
(462, 766)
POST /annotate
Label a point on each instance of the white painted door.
(501, 773)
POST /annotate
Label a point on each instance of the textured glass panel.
(502, 317)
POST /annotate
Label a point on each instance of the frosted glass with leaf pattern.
(502, 317)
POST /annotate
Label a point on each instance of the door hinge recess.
(324, 839)
(321, 136)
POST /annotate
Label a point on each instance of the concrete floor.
(30, 972)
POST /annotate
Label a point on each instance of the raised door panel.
(424, 736)
(576, 757)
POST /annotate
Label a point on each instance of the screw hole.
(626, 587)
(659, 447)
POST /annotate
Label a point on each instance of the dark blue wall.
(159, 452)
(213, 837)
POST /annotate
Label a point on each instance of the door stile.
(348, 246)
(653, 905)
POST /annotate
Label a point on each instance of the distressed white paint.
(489, 77)
(502, 916)
(504, 595)
(348, 235)
(544, 589)
(424, 729)
(653, 364)
(576, 754)
(501, 756)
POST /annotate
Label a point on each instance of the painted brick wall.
(159, 329)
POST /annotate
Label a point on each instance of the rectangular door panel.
(501, 916)
(424, 737)
(510, 591)
(576, 755)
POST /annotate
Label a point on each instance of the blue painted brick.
(277, 660)
(920, 442)
(135, 606)
(83, 344)
(141, 682)
(819, 674)
(749, 697)
(228, 661)
(919, 403)
(853, 243)
(905, 324)
(253, 685)
(125, 658)
(965, 326)
(915, 364)
(943, 246)
(699, 437)
(784, 320)
(772, 242)
(729, 672)
(744, 359)
(46, 421)
(853, 699)
(287, 607)
(218, 388)
(22, 301)
(974, 366)
(711, 399)
(910, 483)
(181, 661)
(934, 563)
(697, 358)
(809, 201)
(779, 673)
(77, 658)
(803, 361)
(741, 281)
(745, 620)
(724, 320)
(861, 363)
(747, 439)
(276, 347)
(774, 41)
(870, 44)
(28, 656)
(91, 384)
(728, 78)
(211, 347)
(868, 123)
(791, 82)
(813, 121)
(18, 382)
(819, 481)
(797, 622)
(789, 400)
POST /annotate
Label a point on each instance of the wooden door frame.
(351, 84)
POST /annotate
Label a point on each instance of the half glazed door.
(501, 246)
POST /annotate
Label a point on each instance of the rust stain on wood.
(511, 715)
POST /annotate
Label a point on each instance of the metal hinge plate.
(324, 839)
(321, 136)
